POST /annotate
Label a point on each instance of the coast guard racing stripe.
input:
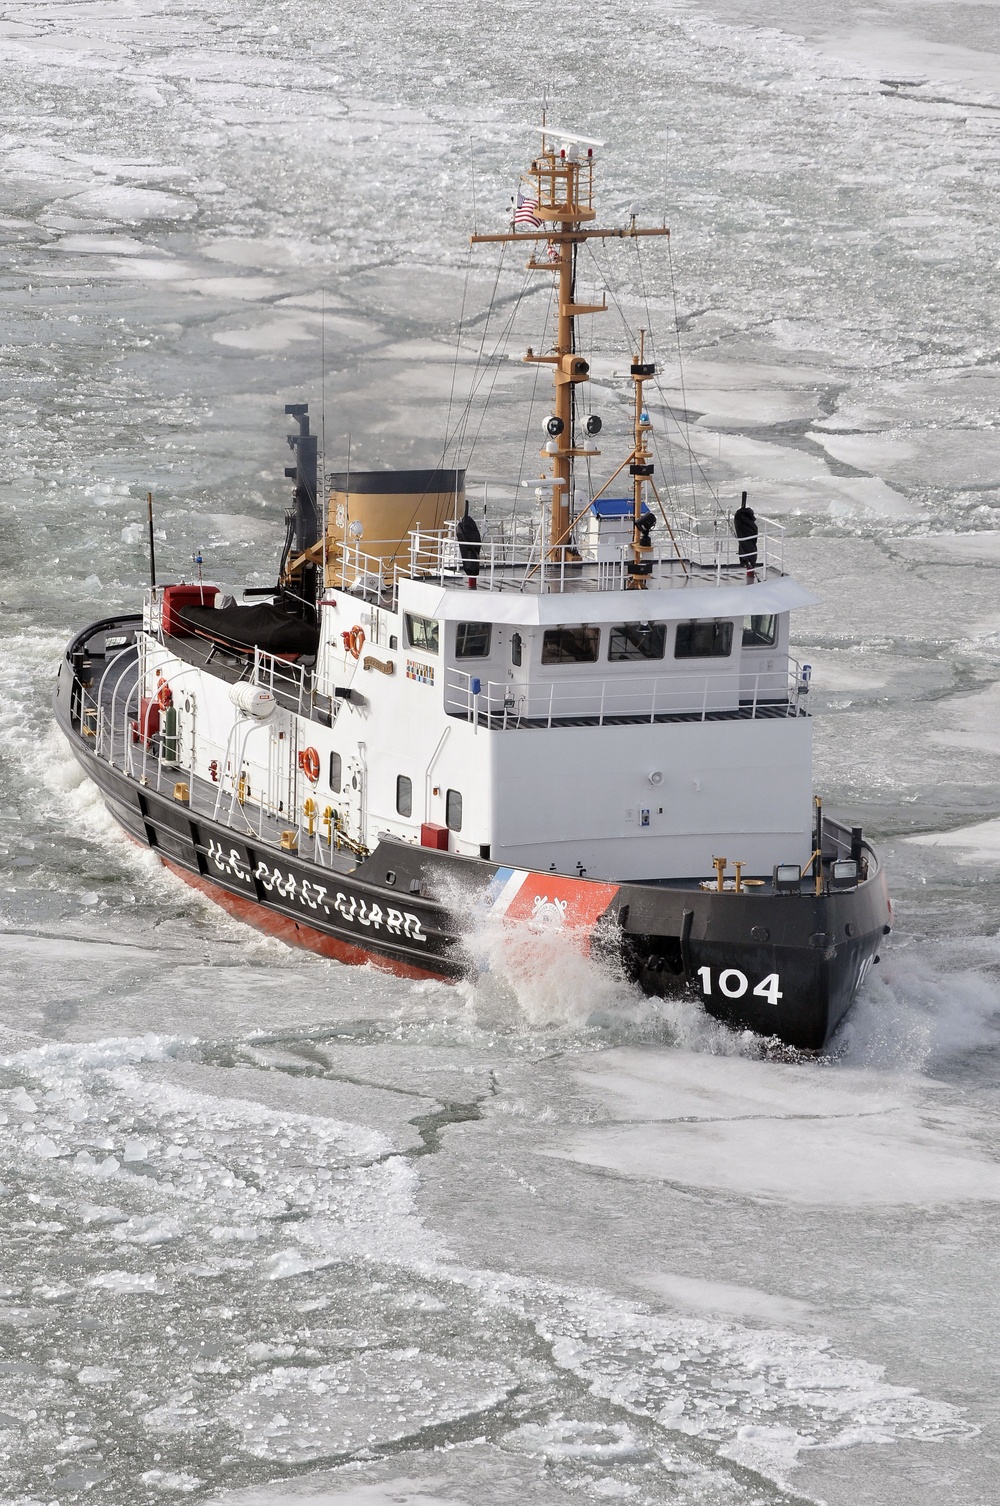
(548, 901)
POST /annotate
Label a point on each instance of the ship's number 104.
(734, 984)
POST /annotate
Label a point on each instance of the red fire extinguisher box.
(434, 836)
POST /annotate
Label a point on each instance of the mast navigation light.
(594, 424)
(554, 425)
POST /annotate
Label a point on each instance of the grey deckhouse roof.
(670, 605)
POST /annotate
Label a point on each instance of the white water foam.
(923, 1007)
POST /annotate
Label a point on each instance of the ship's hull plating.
(782, 965)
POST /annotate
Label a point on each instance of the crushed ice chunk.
(132, 533)
(225, 1234)
(164, 1479)
(135, 1150)
(97, 1375)
(288, 1263)
(124, 1282)
(150, 1229)
(99, 1213)
(22, 1100)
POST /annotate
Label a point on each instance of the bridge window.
(637, 640)
(703, 640)
(760, 632)
(515, 649)
(472, 640)
(571, 645)
(404, 795)
(336, 772)
(453, 810)
(422, 633)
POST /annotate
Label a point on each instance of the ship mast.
(557, 198)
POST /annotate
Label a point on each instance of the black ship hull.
(783, 965)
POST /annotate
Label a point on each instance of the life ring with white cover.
(309, 764)
(356, 642)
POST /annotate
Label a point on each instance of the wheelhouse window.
(703, 640)
(571, 645)
(453, 810)
(515, 649)
(336, 773)
(760, 632)
(637, 640)
(472, 640)
(422, 633)
(404, 795)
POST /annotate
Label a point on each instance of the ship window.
(472, 640)
(760, 632)
(515, 649)
(703, 640)
(453, 810)
(637, 640)
(336, 772)
(571, 645)
(422, 633)
(404, 795)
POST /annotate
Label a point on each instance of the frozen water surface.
(274, 1231)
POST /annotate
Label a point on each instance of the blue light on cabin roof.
(614, 507)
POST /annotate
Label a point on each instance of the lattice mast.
(559, 190)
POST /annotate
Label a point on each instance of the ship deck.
(109, 722)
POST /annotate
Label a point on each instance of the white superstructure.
(615, 733)
(575, 697)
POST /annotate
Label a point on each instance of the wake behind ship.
(588, 720)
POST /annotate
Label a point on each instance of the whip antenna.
(152, 546)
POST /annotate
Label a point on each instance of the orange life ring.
(356, 642)
(309, 764)
(164, 694)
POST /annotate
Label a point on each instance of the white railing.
(705, 550)
(712, 547)
(507, 703)
(282, 677)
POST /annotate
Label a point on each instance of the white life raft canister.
(252, 700)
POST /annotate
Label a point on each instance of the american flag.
(524, 214)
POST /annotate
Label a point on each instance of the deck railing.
(534, 703)
(702, 550)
